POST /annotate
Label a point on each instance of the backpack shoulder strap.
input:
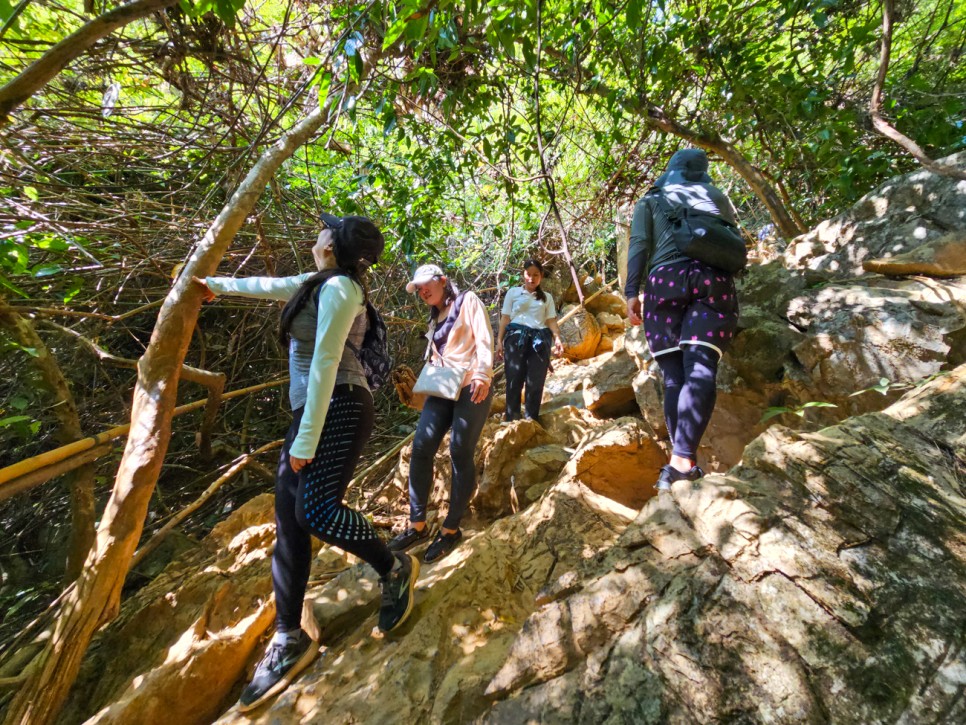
(670, 210)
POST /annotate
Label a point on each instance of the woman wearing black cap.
(690, 308)
(332, 420)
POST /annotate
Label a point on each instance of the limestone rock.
(609, 322)
(605, 345)
(621, 462)
(469, 607)
(568, 425)
(649, 393)
(182, 643)
(607, 388)
(857, 334)
(941, 257)
(608, 303)
(536, 470)
(501, 455)
(580, 334)
(792, 590)
(895, 218)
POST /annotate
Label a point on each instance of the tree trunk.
(97, 596)
(81, 480)
(41, 71)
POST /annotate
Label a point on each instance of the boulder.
(607, 386)
(608, 303)
(941, 257)
(497, 494)
(536, 470)
(794, 589)
(648, 387)
(620, 461)
(580, 334)
(895, 218)
(568, 425)
(605, 345)
(857, 334)
(182, 642)
(610, 323)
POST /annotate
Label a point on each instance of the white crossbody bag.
(445, 381)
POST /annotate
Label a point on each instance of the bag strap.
(429, 342)
(672, 212)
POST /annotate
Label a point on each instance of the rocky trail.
(817, 574)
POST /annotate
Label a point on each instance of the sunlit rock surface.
(900, 215)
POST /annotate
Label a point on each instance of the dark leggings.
(689, 395)
(524, 364)
(466, 418)
(310, 502)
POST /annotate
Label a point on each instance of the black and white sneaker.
(280, 665)
(408, 538)
(397, 592)
(442, 545)
(669, 474)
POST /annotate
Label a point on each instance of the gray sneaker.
(280, 665)
(397, 593)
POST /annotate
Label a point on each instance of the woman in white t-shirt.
(528, 320)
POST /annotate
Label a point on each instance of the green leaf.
(395, 31)
(634, 13)
(46, 270)
(774, 412)
(13, 420)
(31, 193)
(7, 284)
(325, 84)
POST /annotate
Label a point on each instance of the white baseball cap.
(424, 274)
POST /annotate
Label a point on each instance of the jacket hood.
(687, 166)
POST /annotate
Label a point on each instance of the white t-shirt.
(523, 308)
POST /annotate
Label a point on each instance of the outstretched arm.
(264, 288)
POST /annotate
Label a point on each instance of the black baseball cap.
(331, 221)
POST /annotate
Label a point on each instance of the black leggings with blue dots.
(310, 502)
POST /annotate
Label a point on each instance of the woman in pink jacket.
(462, 334)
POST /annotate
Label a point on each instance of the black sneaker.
(281, 664)
(669, 474)
(408, 539)
(397, 592)
(442, 545)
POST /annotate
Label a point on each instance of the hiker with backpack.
(327, 325)
(528, 326)
(685, 244)
(460, 343)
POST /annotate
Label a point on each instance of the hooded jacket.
(685, 182)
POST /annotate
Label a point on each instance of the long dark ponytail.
(356, 244)
(538, 292)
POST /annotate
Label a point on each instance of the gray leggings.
(466, 418)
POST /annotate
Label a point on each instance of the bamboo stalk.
(238, 464)
(42, 475)
(29, 465)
